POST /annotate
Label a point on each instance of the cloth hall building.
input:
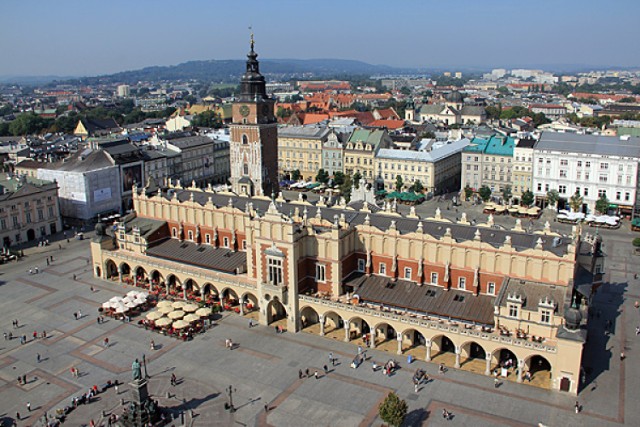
(487, 300)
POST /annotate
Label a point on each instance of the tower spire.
(252, 41)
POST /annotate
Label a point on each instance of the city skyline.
(73, 38)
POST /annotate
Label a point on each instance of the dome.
(572, 318)
(454, 97)
(100, 229)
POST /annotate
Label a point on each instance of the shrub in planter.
(636, 242)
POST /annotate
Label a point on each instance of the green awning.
(613, 206)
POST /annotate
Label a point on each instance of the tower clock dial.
(244, 110)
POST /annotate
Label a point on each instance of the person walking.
(306, 372)
(496, 382)
(577, 407)
(326, 369)
(300, 374)
(29, 406)
(106, 343)
(153, 345)
(315, 374)
(331, 359)
(116, 389)
(38, 357)
(173, 379)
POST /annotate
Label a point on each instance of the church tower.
(254, 135)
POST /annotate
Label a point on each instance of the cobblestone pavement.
(263, 370)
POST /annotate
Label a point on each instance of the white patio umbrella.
(178, 314)
(132, 293)
(130, 304)
(163, 321)
(128, 299)
(116, 300)
(165, 309)
(178, 304)
(189, 308)
(106, 304)
(191, 318)
(121, 308)
(164, 303)
(203, 312)
(180, 324)
(154, 315)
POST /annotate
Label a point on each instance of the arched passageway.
(359, 332)
(332, 326)
(125, 271)
(473, 357)
(443, 351)
(309, 319)
(111, 270)
(384, 336)
(414, 343)
(537, 371)
(504, 363)
(276, 313)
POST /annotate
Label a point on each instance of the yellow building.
(474, 298)
(522, 168)
(300, 148)
(436, 168)
(361, 149)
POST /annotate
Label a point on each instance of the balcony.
(432, 322)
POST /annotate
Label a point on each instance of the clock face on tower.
(244, 110)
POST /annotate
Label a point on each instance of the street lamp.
(144, 364)
(230, 390)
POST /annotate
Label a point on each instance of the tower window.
(245, 140)
(245, 169)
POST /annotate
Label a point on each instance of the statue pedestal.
(141, 409)
(139, 392)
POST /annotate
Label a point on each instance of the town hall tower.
(254, 135)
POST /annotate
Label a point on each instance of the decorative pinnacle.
(252, 40)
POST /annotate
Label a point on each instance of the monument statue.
(135, 370)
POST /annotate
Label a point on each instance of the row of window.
(300, 155)
(28, 219)
(406, 167)
(408, 275)
(514, 313)
(207, 238)
(562, 189)
(364, 160)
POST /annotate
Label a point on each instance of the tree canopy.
(393, 410)
(527, 198)
(602, 204)
(485, 193)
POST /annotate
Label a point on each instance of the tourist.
(315, 374)
(331, 359)
(577, 407)
(300, 374)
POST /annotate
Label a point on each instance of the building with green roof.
(488, 161)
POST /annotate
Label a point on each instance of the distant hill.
(231, 70)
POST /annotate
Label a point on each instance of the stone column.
(166, 285)
(321, 319)
(399, 339)
(428, 346)
(372, 341)
(487, 367)
(184, 291)
(458, 351)
(346, 331)
(120, 275)
(135, 280)
(520, 369)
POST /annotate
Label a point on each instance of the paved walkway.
(263, 369)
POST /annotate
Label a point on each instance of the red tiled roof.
(389, 124)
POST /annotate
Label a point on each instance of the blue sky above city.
(75, 38)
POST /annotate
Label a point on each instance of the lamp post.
(144, 364)
(230, 390)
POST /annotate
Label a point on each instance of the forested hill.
(231, 70)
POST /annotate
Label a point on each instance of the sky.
(86, 37)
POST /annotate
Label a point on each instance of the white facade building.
(591, 165)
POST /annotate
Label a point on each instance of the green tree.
(493, 112)
(4, 129)
(602, 204)
(506, 193)
(399, 183)
(208, 119)
(393, 410)
(552, 197)
(417, 186)
(627, 99)
(575, 202)
(295, 175)
(485, 193)
(503, 90)
(28, 124)
(405, 90)
(636, 242)
(527, 198)
(345, 188)
(338, 179)
(322, 176)
(468, 192)
(356, 179)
